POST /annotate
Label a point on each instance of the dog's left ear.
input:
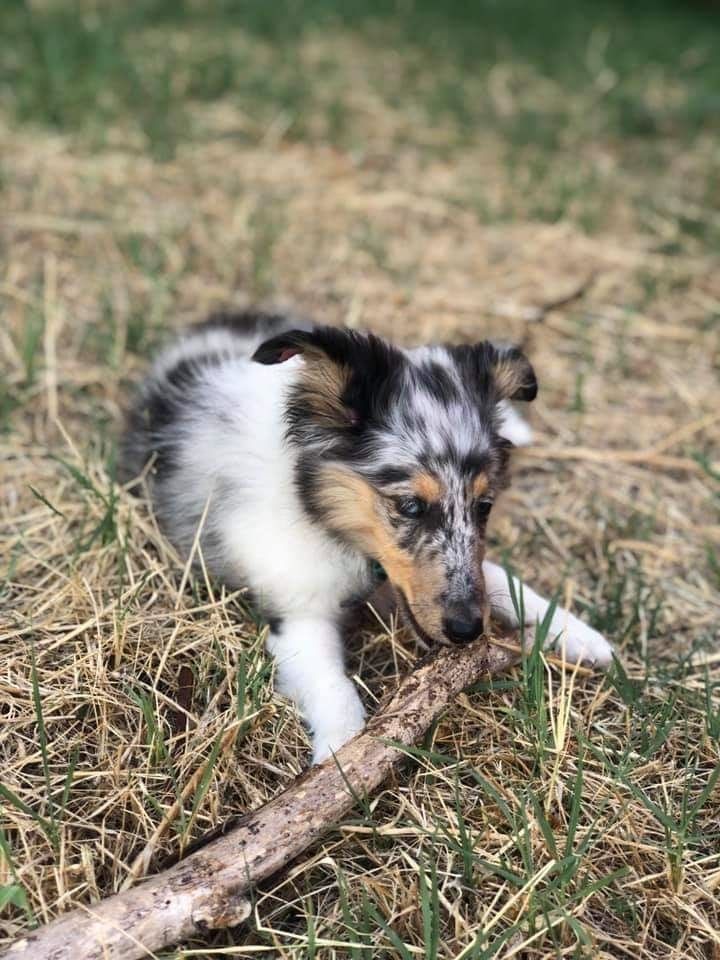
(498, 371)
(512, 372)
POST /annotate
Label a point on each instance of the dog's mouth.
(411, 619)
(420, 632)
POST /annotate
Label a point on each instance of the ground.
(549, 175)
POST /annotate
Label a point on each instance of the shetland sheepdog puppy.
(306, 456)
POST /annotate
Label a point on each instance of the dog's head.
(400, 454)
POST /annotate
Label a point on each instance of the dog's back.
(204, 418)
(207, 434)
(177, 383)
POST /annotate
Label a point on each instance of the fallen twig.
(641, 458)
(536, 313)
(208, 890)
(651, 456)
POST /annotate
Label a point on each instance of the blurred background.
(547, 173)
(154, 75)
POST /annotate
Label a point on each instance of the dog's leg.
(310, 670)
(581, 643)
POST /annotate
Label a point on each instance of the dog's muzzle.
(463, 624)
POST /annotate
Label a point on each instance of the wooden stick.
(208, 890)
(642, 458)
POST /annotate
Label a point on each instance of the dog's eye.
(482, 509)
(412, 507)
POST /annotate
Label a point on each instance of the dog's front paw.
(579, 642)
(582, 644)
(334, 730)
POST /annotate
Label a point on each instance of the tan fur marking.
(427, 487)
(509, 376)
(323, 384)
(355, 510)
(351, 505)
(398, 566)
(479, 485)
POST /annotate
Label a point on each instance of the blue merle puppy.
(306, 455)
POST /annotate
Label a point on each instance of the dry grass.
(550, 816)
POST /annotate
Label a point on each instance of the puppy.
(307, 455)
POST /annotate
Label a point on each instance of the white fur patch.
(513, 427)
(309, 670)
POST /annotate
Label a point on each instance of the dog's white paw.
(327, 741)
(335, 727)
(580, 643)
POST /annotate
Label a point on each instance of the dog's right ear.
(285, 345)
(347, 348)
(347, 375)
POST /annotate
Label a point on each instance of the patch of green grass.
(9, 572)
(10, 402)
(155, 739)
(681, 225)
(203, 785)
(253, 674)
(680, 812)
(626, 600)
(43, 743)
(101, 510)
(577, 404)
(30, 346)
(112, 336)
(550, 853)
(51, 814)
(637, 80)
(626, 604)
(357, 920)
(554, 881)
(87, 67)
(13, 894)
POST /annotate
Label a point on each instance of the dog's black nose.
(461, 630)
